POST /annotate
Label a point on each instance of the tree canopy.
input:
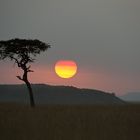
(21, 49)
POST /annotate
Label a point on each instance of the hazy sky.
(102, 36)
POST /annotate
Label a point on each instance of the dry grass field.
(65, 122)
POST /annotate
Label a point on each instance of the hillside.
(46, 94)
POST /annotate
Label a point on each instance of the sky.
(101, 36)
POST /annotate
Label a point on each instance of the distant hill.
(46, 94)
(132, 97)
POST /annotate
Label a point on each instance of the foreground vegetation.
(19, 122)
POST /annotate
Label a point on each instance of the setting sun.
(65, 68)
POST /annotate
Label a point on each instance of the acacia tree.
(23, 52)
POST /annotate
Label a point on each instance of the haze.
(102, 36)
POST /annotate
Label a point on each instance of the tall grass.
(65, 122)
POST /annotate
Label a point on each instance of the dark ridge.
(48, 94)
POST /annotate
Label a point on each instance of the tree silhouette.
(23, 52)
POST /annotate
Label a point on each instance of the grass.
(65, 122)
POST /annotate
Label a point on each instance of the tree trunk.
(25, 79)
(32, 103)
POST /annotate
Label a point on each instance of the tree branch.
(28, 69)
(16, 61)
(19, 78)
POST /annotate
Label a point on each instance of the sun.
(66, 68)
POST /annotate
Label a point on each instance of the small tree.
(23, 51)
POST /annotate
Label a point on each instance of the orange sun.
(65, 68)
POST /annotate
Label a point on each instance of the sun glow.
(65, 68)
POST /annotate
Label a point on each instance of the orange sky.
(83, 79)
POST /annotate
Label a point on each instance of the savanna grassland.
(65, 122)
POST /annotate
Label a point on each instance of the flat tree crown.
(22, 48)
